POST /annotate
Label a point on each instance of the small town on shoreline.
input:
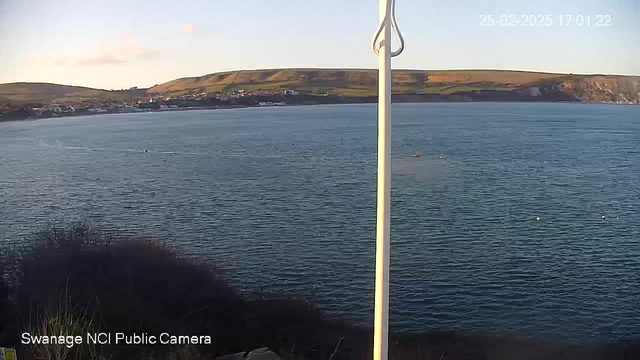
(279, 87)
(204, 100)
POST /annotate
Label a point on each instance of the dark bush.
(134, 285)
(7, 332)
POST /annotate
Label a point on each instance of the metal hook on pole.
(382, 47)
(396, 30)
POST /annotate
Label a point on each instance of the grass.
(431, 90)
(215, 88)
(342, 82)
(68, 322)
(452, 89)
(459, 89)
(45, 93)
(354, 92)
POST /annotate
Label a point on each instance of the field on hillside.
(351, 82)
(48, 93)
(354, 83)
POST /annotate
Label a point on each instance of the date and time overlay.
(542, 20)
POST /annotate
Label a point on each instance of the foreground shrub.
(68, 322)
(8, 334)
(134, 285)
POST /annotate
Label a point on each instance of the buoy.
(440, 157)
(604, 217)
(145, 150)
(538, 218)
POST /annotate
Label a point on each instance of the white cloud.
(100, 54)
(188, 29)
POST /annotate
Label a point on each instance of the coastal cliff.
(421, 85)
(604, 89)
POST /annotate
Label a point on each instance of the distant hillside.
(350, 82)
(48, 93)
(408, 86)
(420, 85)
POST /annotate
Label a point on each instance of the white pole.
(381, 312)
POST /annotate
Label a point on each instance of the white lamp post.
(381, 46)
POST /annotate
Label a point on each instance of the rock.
(534, 91)
(257, 354)
(262, 354)
(236, 356)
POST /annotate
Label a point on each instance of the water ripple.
(286, 203)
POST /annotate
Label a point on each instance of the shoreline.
(361, 101)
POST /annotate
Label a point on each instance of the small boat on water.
(415, 155)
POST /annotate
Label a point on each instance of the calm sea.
(284, 199)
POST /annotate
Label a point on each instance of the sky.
(118, 44)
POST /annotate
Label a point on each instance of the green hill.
(408, 85)
(351, 82)
(23, 92)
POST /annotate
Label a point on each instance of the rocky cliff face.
(603, 89)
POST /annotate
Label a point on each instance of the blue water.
(284, 199)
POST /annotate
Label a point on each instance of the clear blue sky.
(119, 44)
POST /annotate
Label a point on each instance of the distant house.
(58, 109)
